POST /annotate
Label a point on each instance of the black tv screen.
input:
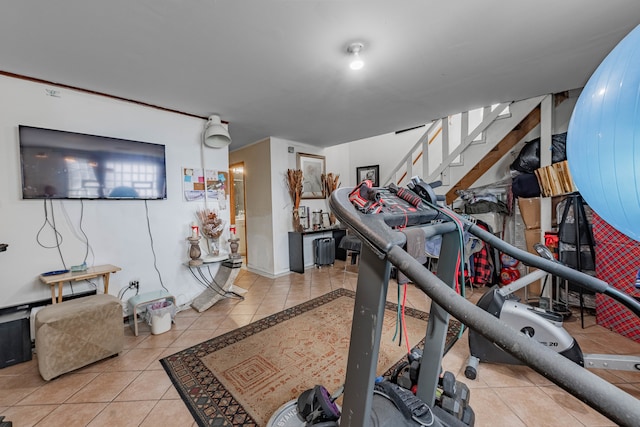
(67, 165)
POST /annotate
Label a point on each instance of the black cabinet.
(15, 339)
(296, 246)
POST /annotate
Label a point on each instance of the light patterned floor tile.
(133, 389)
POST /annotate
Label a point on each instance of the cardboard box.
(530, 211)
(532, 237)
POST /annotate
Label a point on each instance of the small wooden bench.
(58, 280)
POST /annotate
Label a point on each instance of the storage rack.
(574, 231)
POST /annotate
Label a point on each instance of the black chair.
(353, 245)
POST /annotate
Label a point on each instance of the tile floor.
(133, 389)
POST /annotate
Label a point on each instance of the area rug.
(242, 377)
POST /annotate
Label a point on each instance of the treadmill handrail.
(588, 387)
(577, 277)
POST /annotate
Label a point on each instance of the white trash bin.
(160, 315)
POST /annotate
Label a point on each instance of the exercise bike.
(545, 326)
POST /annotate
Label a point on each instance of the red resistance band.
(406, 195)
(365, 199)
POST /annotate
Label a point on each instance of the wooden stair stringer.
(507, 143)
(526, 125)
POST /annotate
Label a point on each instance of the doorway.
(238, 205)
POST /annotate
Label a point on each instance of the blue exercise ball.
(603, 139)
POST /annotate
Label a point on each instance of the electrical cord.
(92, 283)
(51, 223)
(395, 333)
(44, 224)
(209, 283)
(82, 236)
(155, 263)
(404, 324)
(205, 282)
(123, 292)
(86, 238)
(401, 325)
(53, 220)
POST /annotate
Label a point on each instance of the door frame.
(232, 209)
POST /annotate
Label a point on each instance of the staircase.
(459, 149)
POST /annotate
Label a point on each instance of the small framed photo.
(312, 167)
(371, 173)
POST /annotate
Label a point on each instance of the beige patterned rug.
(241, 378)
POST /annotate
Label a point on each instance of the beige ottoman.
(75, 333)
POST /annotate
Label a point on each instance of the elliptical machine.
(544, 326)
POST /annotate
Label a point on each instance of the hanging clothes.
(483, 267)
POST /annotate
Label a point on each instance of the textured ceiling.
(279, 68)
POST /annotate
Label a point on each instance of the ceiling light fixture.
(215, 134)
(354, 50)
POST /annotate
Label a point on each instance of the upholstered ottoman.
(75, 333)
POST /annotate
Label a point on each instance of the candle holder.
(194, 251)
(235, 259)
(233, 247)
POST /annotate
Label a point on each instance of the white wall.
(117, 229)
(258, 205)
(267, 198)
(343, 159)
(281, 160)
(384, 150)
(268, 205)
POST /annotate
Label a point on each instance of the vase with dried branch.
(294, 185)
(212, 228)
(330, 182)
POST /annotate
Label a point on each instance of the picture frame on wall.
(312, 167)
(368, 172)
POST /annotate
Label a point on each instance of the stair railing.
(466, 142)
(440, 127)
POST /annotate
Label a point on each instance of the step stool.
(138, 302)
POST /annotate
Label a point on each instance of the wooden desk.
(89, 273)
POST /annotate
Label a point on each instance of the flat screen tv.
(67, 165)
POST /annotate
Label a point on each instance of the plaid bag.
(617, 263)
